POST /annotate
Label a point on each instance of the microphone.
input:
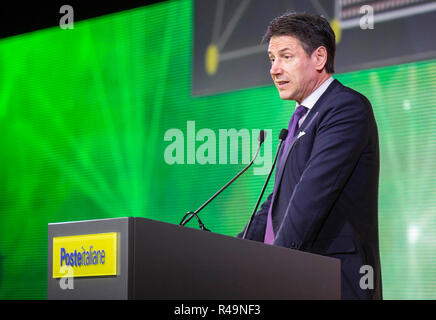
(282, 137)
(185, 220)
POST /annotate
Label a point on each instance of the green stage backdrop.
(93, 118)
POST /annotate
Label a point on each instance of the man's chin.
(286, 95)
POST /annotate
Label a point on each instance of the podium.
(139, 258)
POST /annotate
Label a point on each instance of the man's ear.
(319, 57)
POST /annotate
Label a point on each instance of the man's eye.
(287, 57)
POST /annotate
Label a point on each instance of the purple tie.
(292, 129)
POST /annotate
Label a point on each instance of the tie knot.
(300, 111)
(293, 123)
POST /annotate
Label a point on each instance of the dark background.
(17, 17)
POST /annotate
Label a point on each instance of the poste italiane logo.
(88, 255)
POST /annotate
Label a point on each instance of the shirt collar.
(310, 101)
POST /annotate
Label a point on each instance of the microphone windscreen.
(283, 134)
(262, 135)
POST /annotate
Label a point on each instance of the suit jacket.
(325, 197)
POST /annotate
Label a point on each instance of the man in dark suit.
(325, 196)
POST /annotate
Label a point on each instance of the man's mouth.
(281, 84)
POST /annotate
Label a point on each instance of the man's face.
(292, 70)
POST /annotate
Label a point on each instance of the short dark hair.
(311, 30)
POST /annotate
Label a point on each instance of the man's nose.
(276, 68)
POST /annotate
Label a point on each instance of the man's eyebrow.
(281, 50)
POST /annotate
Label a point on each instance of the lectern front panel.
(89, 259)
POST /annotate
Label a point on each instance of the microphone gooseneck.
(282, 136)
(186, 219)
